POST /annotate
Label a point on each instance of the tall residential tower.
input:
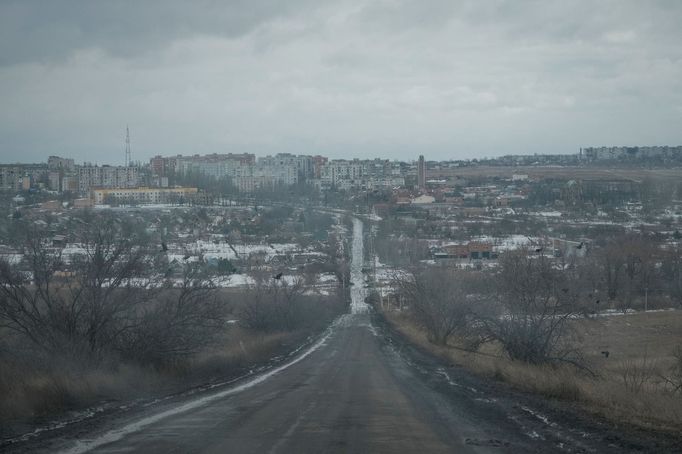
(421, 172)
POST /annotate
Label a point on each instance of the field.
(629, 386)
(561, 172)
(651, 336)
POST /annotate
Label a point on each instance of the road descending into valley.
(358, 389)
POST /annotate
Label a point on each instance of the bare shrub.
(673, 378)
(637, 374)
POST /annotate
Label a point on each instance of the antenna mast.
(128, 160)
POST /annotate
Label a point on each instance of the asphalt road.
(359, 389)
(354, 393)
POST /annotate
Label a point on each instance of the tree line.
(114, 294)
(527, 302)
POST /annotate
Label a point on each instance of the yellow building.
(142, 195)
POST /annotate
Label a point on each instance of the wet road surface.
(354, 393)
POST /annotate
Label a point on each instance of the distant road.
(360, 389)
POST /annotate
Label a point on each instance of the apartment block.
(105, 177)
(142, 195)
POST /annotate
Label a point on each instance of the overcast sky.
(350, 78)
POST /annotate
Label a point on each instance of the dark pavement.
(358, 390)
(353, 393)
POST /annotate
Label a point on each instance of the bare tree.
(255, 310)
(285, 304)
(534, 326)
(438, 300)
(289, 294)
(638, 268)
(30, 304)
(82, 301)
(612, 263)
(273, 305)
(181, 320)
(113, 275)
(672, 272)
(628, 268)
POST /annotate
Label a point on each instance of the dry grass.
(32, 391)
(628, 386)
(241, 349)
(36, 388)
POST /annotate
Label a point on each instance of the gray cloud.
(47, 31)
(393, 78)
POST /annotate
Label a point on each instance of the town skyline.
(166, 178)
(118, 159)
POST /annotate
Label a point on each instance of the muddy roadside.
(564, 423)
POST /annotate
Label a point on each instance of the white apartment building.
(216, 165)
(302, 163)
(621, 153)
(360, 174)
(215, 169)
(254, 178)
(90, 177)
(338, 170)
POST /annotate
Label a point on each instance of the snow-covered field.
(385, 277)
(548, 214)
(507, 243)
(324, 284)
(208, 249)
(231, 252)
(511, 242)
(11, 258)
